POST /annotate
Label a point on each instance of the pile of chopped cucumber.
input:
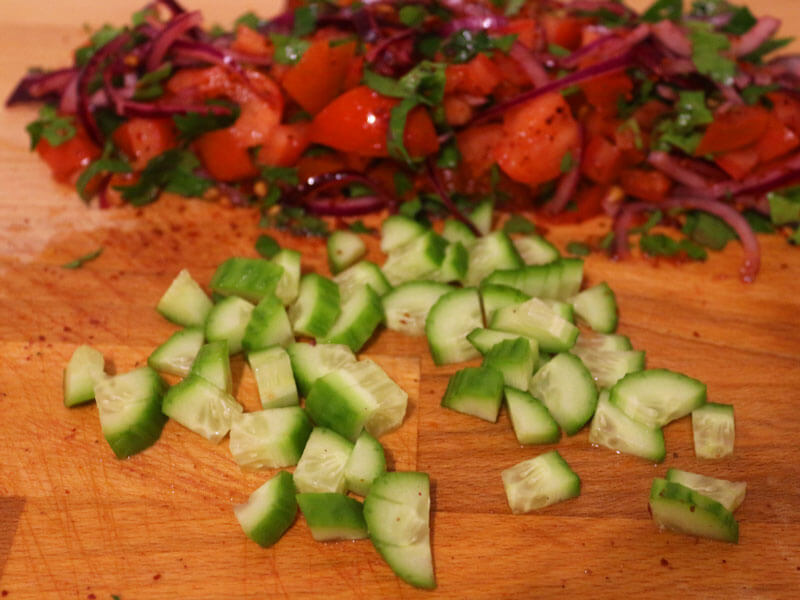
(548, 351)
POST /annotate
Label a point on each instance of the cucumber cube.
(567, 390)
(317, 306)
(333, 516)
(339, 402)
(248, 278)
(535, 319)
(228, 321)
(270, 510)
(273, 372)
(656, 397)
(176, 355)
(345, 248)
(539, 482)
(214, 364)
(361, 314)
(728, 493)
(362, 273)
(476, 391)
(615, 430)
(713, 428)
(309, 363)
(268, 326)
(597, 306)
(513, 358)
(271, 438)
(681, 509)
(185, 302)
(289, 284)
(201, 406)
(322, 466)
(532, 422)
(84, 370)
(367, 462)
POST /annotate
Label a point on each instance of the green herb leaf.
(606, 241)
(51, 126)
(604, 17)
(99, 166)
(769, 46)
(741, 22)
(557, 50)
(402, 184)
(794, 238)
(248, 19)
(653, 220)
(305, 20)
(81, 260)
(758, 222)
(266, 246)
(579, 249)
(518, 224)
(288, 49)
(287, 175)
(97, 40)
(397, 126)
(425, 83)
(707, 47)
(296, 220)
(681, 131)
(633, 126)
(752, 94)
(194, 124)
(661, 245)
(412, 15)
(708, 230)
(171, 171)
(149, 85)
(428, 45)
(464, 45)
(360, 227)
(513, 7)
(663, 9)
(449, 156)
(784, 206)
(567, 162)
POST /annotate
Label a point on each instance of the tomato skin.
(652, 186)
(457, 111)
(526, 30)
(250, 41)
(67, 160)
(735, 128)
(604, 92)
(602, 160)
(478, 76)
(141, 139)
(476, 145)
(536, 136)
(787, 109)
(223, 155)
(311, 166)
(778, 139)
(320, 74)
(358, 122)
(738, 163)
(286, 144)
(566, 32)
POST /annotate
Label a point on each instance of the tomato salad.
(568, 109)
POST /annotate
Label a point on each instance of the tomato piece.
(249, 41)
(224, 156)
(602, 160)
(652, 186)
(735, 128)
(67, 160)
(320, 74)
(358, 122)
(588, 204)
(649, 112)
(311, 166)
(566, 32)
(285, 145)
(355, 73)
(738, 163)
(141, 139)
(536, 136)
(457, 111)
(478, 76)
(476, 145)
(604, 92)
(600, 124)
(526, 30)
(787, 109)
(778, 139)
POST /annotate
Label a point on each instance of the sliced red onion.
(446, 200)
(568, 185)
(69, 97)
(301, 194)
(615, 42)
(529, 64)
(176, 28)
(39, 86)
(345, 207)
(624, 221)
(673, 37)
(111, 49)
(482, 22)
(730, 95)
(785, 173)
(666, 92)
(174, 7)
(596, 5)
(669, 165)
(764, 29)
(785, 65)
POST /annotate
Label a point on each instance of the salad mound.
(431, 107)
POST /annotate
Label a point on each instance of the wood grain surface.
(77, 523)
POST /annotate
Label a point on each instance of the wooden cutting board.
(77, 523)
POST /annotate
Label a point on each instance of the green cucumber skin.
(366, 463)
(345, 248)
(213, 363)
(476, 391)
(268, 326)
(279, 516)
(184, 302)
(522, 410)
(248, 278)
(84, 370)
(681, 509)
(330, 408)
(446, 351)
(359, 330)
(332, 516)
(570, 417)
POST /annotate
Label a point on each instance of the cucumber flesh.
(398, 230)
(270, 510)
(268, 326)
(84, 370)
(289, 284)
(228, 321)
(482, 216)
(609, 366)
(214, 364)
(333, 516)
(417, 259)
(360, 315)
(367, 462)
(535, 250)
(407, 306)
(454, 264)
(513, 358)
(270, 438)
(495, 296)
(615, 430)
(345, 248)
(322, 466)
(361, 273)
(273, 372)
(532, 422)
(248, 278)
(455, 231)
(485, 339)
(713, 430)
(728, 493)
(536, 320)
(681, 509)
(597, 306)
(450, 320)
(539, 482)
(185, 303)
(489, 253)
(176, 355)
(567, 390)
(317, 306)
(202, 407)
(476, 391)
(309, 363)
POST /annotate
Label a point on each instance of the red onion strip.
(446, 200)
(672, 37)
(758, 34)
(169, 35)
(529, 64)
(670, 165)
(785, 173)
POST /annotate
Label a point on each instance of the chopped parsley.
(753, 94)
(464, 45)
(518, 224)
(295, 220)
(579, 249)
(248, 19)
(172, 171)
(266, 246)
(194, 124)
(769, 46)
(412, 15)
(96, 41)
(707, 52)
(784, 206)
(82, 260)
(708, 230)
(360, 227)
(51, 126)
(402, 184)
(149, 85)
(567, 162)
(104, 164)
(658, 244)
(288, 49)
(449, 156)
(661, 10)
(682, 131)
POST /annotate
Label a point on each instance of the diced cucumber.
(485, 339)
(185, 302)
(532, 422)
(609, 366)
(248, 278)
(176, 355)
(345, 248)
(130, 410)
(214, 364)
(449, 321)
(491, 252)
(360, 315)
(476, 391)
(535, 250)
(656, 397)
(482, 215)
(456, 231)
(321, 467)
(416, 259)
(728, 493)
(228, 321)
(597, 306)
(391, 399)
(333, 516)
(495, 296)
(361, 273)
(317, 306)
(603, 342)
(271, 438)
(681, 509)
(615, 430)
(454, 264)
(273, 372)
(367, 462)
(562, 309)
(270, 510)
(570, 277)
(309, 363)
(337, 401)
(398, 230)
(567, 390)
(539, 482)
(289, 284)
(536, 320)
(406, 307)
(202, 407)
(713, 430)
(513, 358)
(560, 279)
(84, 370)
(397, 513)
(268, 326)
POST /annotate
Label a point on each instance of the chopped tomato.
(285, 145)
(311, 166)
(588, 204)
(355, 73)
(652, 186)
(604, 93)
(787, 109)
(649, 112)
(224, 156)
(67, 160)
(738, 163)
(249, 41)
(735, 128)
(536, 136)
(457, 111)
(358, 121)
(320, 74)
(778, 139)
(566, 32)
(597, 123)
(602, 161)
(476, 145)
(526, 30)
(633, 144)
(142, 139)
(478, 77)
